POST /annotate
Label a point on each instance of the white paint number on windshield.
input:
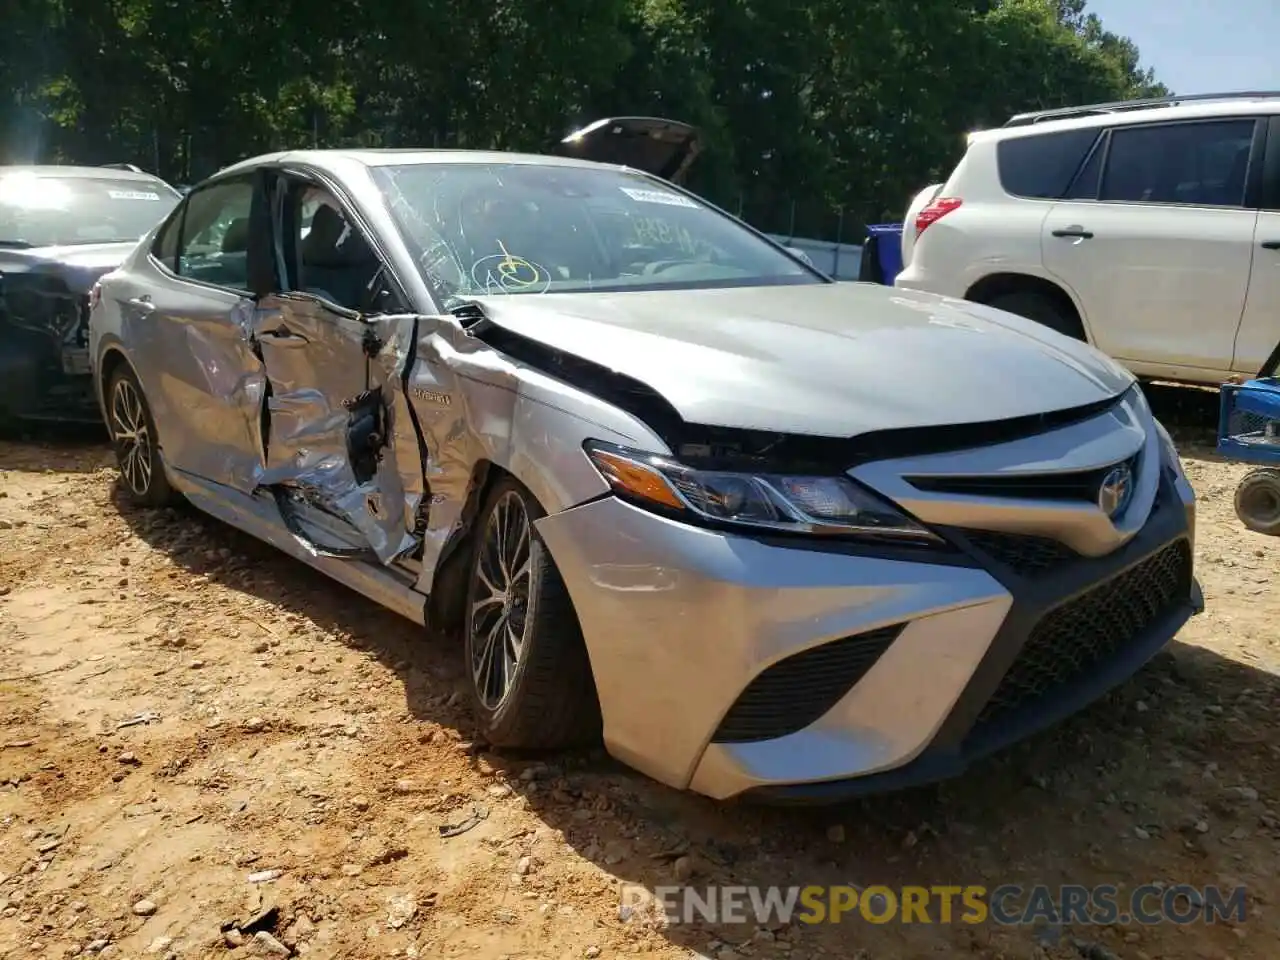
(132, 195)
(659, 196)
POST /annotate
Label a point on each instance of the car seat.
(336, 262)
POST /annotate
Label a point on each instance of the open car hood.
(665, 148)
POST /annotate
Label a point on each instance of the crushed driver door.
(342, 456)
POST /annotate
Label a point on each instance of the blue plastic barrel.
(888, 238)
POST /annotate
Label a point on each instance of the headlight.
(817, 505)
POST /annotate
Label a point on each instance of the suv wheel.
(1039, 308)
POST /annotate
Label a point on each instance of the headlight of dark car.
(783, 503)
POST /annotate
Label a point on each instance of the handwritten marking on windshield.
(505, 273)
(654, 231)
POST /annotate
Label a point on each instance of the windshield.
(517, 228)
(38, 210)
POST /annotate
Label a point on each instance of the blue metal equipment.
(1249, 432)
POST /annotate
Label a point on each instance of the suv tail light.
(95, 295)
(935, 212)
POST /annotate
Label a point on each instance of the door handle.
(1271, 244)
(1079, 233)
(142, 304)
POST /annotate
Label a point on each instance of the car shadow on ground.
(60, 447)
(1084, 803)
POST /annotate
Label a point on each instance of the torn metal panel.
(395, 339)
(44, 328)
(336, 431)
(42, 302)
(474, 403)
(464, 396)
(259, 515)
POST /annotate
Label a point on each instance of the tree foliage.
(808, 106)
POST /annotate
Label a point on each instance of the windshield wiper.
(16, 244)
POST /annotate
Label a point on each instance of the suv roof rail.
(123, 166)
(1093, 109)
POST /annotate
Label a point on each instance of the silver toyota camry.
(762, 533)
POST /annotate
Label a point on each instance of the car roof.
(69, 171)
(331, 160)
(1160, 113)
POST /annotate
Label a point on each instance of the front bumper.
(904, 661)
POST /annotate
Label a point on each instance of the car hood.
(79, 264)
(833, 360)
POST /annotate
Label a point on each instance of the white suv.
(1149, 228)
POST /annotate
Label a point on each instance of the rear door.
(188, 328)
(343, 457)
(1259, 332)
(1155, 241)
(664, 148)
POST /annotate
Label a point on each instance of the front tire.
(133, 435)
(530, 679)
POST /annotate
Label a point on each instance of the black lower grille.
(1082, 633)
(797, 690)
(1024, 555)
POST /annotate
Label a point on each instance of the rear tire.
(133, 435)
(1041, 309)
(530, 679)
(1258, 501)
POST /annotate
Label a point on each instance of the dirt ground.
(303, 756)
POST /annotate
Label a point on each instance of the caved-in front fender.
(476, 404)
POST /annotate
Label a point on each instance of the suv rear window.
(1041, 166)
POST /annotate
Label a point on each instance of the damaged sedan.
(764, 534)
(61, 228)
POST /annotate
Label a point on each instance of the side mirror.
(802, 256)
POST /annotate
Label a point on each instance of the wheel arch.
(995, 285)
(446, 601)
(112, 359)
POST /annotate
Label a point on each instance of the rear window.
(40, 210)
(1041, 166)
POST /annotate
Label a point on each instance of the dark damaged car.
(61, 228)
(764, 533)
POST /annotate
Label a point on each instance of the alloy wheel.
(131, 436)
(499, 609)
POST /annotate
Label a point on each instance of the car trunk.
(664, 148)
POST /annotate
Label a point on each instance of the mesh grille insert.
(1082, 633)
(796, 691)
